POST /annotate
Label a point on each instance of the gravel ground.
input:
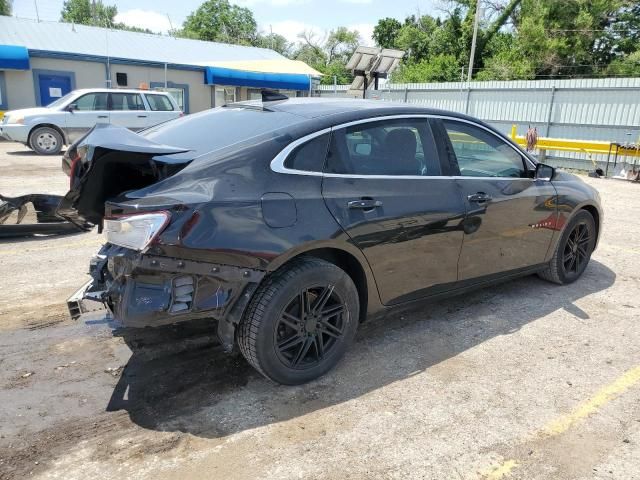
(524, 380)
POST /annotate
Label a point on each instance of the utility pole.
(271, 29)
(35, 2)
(171, 31)
(474, 41)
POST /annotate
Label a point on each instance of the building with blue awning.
(42, 61)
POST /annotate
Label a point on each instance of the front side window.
(401, 147)
(159, 103)
(126, 101)
(482, 154)
(92, 101)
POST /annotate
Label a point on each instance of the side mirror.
(544, 172)
(71, 107)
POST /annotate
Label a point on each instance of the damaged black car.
(289, 222)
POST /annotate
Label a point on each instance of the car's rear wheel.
(300, 321)
(573, 251)
(46, 141)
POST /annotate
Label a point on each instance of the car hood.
(28, 112)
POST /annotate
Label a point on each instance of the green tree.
(627, 66)
(329, 55)
(275, 42)
(440, 68)
(89, 13)
(5, 7)
(385, 33)
(219, 21)
(86, 12)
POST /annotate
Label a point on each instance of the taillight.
(135, 231)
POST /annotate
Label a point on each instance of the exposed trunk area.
(113, 160)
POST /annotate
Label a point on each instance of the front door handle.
(479, 197)
(103, 116)
(142, 116)
(365, 204)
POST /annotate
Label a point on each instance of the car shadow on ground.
(179, 379)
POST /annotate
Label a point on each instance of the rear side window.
(309, 156)
(159, 103)
(126, 101)
(402, 147)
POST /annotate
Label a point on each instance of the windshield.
(61, 101)
(218, 128)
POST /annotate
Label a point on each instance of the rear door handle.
(479, 197)
(142, 116)
(365, 204)
(103, 116)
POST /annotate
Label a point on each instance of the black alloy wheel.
(576, 250)
(573, 250)
(300, 321)
(310, 327)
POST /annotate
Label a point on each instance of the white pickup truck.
(46, 129)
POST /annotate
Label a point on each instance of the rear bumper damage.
(14, 210)
(147, 291)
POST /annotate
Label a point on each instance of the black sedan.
(289, 222)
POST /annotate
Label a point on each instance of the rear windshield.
(218, 128)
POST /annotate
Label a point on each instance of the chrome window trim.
(277, 164)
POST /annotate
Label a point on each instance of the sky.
(285, 17)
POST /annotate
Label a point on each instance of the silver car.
(46, 129)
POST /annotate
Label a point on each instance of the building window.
(225, 95)
(179, 92)
(121, 79)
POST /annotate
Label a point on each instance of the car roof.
(314, 108)
(117, 90)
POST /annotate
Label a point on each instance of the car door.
(128, 110)
(161, 109)
(383, 182)
(86, 111)
(510, 215)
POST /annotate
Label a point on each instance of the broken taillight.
(74, 162)
(135, 231)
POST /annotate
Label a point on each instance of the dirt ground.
(526, 380)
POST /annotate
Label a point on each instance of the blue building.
(41, 61)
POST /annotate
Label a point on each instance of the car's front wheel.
(46, 141)
(300, 321)
(573, 251)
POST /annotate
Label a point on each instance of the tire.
(46, 141)
(573, 250)
(272, 336)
